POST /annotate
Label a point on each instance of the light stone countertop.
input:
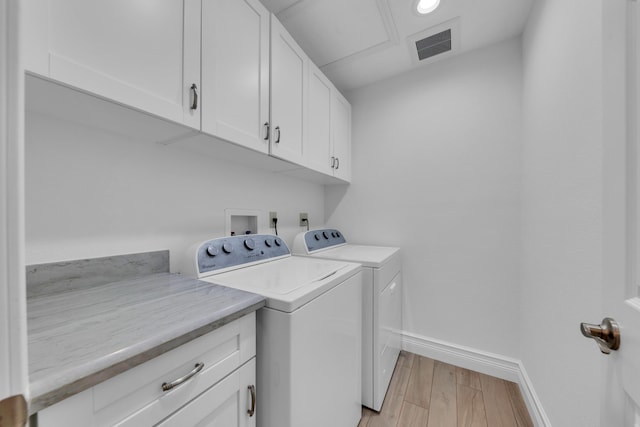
(82, 337)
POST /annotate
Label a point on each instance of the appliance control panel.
(227, 252)
(325, 238)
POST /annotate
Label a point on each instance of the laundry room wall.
(436, 171)
(563, 207)
(92, 193)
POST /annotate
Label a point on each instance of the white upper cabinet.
(328, 128)
(141, 53)
(341, 135)
(318, 122)
(235, 72)
(288, 78)
(227, 68)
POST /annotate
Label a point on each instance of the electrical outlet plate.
(272, 216)
(304, 217)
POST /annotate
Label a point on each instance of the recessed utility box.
(241, 221)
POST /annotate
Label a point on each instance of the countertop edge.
(37, 403)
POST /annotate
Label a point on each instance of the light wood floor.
(424, 392)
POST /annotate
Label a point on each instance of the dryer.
(382, 303)
(308, 334)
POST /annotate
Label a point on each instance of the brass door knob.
(13, 412)
(606, 334)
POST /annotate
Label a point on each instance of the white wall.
(436, 171)
(91, 193)
(563, 206)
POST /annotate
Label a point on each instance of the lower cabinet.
(213, 378)
(230, 403)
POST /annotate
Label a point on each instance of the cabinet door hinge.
(13, 412)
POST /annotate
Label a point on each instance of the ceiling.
(358, 42)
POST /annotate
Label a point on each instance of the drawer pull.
(194, 92)
(266, 131)
(252, 410)
(176, 383)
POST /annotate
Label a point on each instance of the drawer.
(136, 398)
(225, 404)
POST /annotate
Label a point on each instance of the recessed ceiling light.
(427, 6)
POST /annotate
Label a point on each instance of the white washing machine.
(308, 334)
(381, 308)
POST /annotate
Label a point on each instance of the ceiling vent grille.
(434, 45)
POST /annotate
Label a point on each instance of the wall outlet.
(304, 218)
(272, 216)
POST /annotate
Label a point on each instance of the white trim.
(531, 399)
(13, 319)
(492, 364)
(5, 366)
(386, 16)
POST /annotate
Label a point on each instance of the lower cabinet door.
(229, 403)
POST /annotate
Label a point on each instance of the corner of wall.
(496, 365)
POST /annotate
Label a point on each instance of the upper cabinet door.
(288, 75)
(235, 72)
(141, 53)
(318, 152)
(341, 128)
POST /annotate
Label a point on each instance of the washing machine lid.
(289, 283)
(368, 256)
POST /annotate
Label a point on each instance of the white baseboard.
(531, 399)
(492, 364)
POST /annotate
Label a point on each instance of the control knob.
(268, 242)
(317, 236)
(212, 251)
(227, 247)
(249, 244)
(325, 234)
(278, 242)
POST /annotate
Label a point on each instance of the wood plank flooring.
(428, 393)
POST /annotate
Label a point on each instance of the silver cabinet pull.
(176, 383)
(333, 162)
(252, 410)
(266, 131)
(606, 334)
(337, 163)
(194, 92)
(277, 132)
